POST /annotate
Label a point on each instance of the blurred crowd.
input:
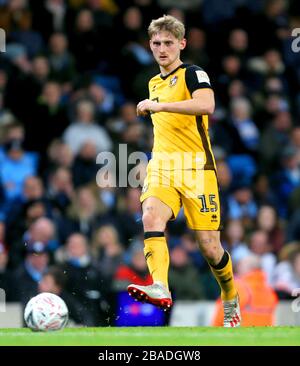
(70, 79)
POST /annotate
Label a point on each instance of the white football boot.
(155, 294)
(232, 313)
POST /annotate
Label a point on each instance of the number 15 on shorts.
(208, 203)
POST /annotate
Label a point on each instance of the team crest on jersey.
(173, 80)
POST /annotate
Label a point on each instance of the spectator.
(30, 273)
(16, 164)
(268, 222)
(286, 180)
(273, 139)
(60, 189)
(286, 277)
(237, 90)
(269, 65)
(49, 16)
(184, 278)
(84, 281)
(127, 115)
(31, 89)
(34, 210)
(62, 63)
(84, 130)
(33, 189)
(238, 44)
(108, 193)
(103, 13)
(134, 49)
(28, 37)
(42, 230)
(262, 192)
(231, 70)
(258, 300)
(190, 245)
(49, 119)
(84, 167)
(84, 211)
(260, 246)
(268, 24)
(242, 205)
(293, 227)
(235, 240)
(225, 182)
(195, 52)
(242, 122)
(103, 99)
(129, 219)
(295, 140)
(135, 271)
(131, 26)
(54, 281)
(13, 13)
(85, 40)
(108, 250)
(59, 155)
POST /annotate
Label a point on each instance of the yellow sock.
(224, 276)
(157, 258)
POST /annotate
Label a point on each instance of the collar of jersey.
(164, 77)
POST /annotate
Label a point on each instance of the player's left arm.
(202, 97)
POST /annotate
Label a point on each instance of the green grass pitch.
(154, 336)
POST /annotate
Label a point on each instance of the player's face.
(166, 49)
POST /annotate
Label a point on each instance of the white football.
(46, 312)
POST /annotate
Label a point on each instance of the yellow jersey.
(177, 135)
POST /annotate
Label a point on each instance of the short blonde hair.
(167, 23)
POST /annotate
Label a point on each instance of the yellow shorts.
(196, 191)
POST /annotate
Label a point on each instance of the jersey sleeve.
(196, 78)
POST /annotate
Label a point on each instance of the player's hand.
(147, 106)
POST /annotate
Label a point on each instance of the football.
(46, 312)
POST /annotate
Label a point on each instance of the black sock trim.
(153, 234)
(223, 261)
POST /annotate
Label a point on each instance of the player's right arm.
(202, 102)
(202, 99)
